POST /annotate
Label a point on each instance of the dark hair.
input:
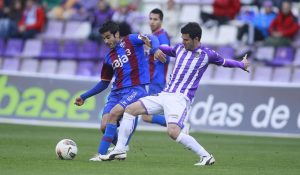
(125, 29)
(193, 29)
(159, 12)
(109, 26)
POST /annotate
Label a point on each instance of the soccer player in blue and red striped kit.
(158, 70)
(127, 64)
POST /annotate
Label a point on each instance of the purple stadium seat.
(48, 66)
(241, 75)
(85, 68)
(262, 74)
(296, 75)
(2, 46)
(282, 74)
(77, 30)
(103, 51)
(11, 64)
(227, 52)
(50, 49)
(29, 65)
(98, 68)
(88, 51)
(297, 58)
(32, 48)
(265, 53)
(67, 67)
(14, 48)
(54, 30)
(69, 50)
(283, 56)
(223, 74)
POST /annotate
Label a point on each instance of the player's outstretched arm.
(160, 56)
(244, 64)
(95, 90)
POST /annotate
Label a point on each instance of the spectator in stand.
(102, 14)
(128, 13)
(32, 20)
(4, 20)
(15, 15)
(257, 28)
(50, 4)
(284, 27)
(223, 11)
(68, 9)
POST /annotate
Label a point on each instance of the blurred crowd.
(271, 21)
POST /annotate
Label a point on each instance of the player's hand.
(246, 63)
(160, 56)
(79, 101)
(146, 40)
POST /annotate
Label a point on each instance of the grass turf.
(29, 150)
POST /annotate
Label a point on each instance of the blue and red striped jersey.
(157, 68)
(127, 63)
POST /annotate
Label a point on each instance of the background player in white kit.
(191, 62)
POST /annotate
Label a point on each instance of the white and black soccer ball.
(66, 149)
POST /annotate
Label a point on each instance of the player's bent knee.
(147, 118)
(135, 109)
(173, 131)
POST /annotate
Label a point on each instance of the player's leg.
(111, 128)
(146, 105)
(176, 112)
(128, 96)
(156, 119)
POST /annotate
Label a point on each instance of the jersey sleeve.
(214, 57)
(136, 39)
(164, 39)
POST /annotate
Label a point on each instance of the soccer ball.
(66, 149)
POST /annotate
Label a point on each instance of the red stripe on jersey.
(151, 66)
(133, 61)
(165, 71)
(119, 70)
(107, 72)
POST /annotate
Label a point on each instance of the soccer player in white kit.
(175, 100)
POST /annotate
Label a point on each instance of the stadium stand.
(11, 64)
(262, 74)
(48, 66)
(65, 44)
(32, 48)
(29, 65)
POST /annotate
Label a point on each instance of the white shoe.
(96, 158)
(206, 160)
(110, 149)
(115, 154)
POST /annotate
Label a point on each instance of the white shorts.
(174, 106)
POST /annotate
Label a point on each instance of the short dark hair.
(159, 12)
(109, 26)
(193, 29)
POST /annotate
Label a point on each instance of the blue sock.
(159, 119)
(107, 138)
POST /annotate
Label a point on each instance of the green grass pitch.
(29, 150)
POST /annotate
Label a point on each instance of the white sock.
(126, 128)
(190, 143)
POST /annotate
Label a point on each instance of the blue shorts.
(124, 97)
(155, 88)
